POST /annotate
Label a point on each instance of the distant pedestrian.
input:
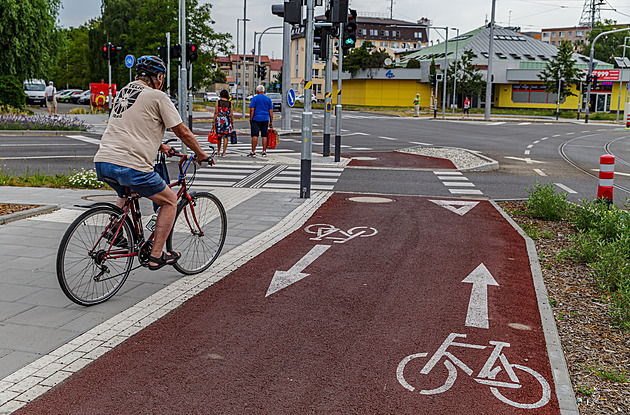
(222, 121)
(260, 119)
(416, 106)
(51, 98)
(467, 108)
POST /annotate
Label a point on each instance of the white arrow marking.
(466, 206)
(526, 160)
(477, 315)
(282, 279)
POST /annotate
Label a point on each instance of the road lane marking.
(282, 279)
(496, 123)
(524, 123)
(357, 133)
(86, 139)
(464, 205)
(530, 146)
(388, 138)
(420, 144)
(566, 188)
(540, 172)
(459, 184)
(527, 152)
(557, 135)
(527, 160)
(451, 173)
(477, 315)
(537, 141)
(465, 191)
(451, 178)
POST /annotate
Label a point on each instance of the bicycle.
(97, 251)
(487, 375)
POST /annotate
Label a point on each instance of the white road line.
(465, 191)
(388, 138)
(540, 172)
(544, 138)
(459, 184)
(451, 178)
(361, 148)
(586, 131)
(566, 188)
(557, 135)
(537, 141)
(570, 133)
(420, 144)
(530, 146)
(524, 123)
(527, 152)
(86, 139)
(357, 133)
(496, 123)
(450, 173)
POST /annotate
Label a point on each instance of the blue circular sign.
(291, 97)
(129, 61)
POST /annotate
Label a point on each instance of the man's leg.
(264, 144)
(55, 106)
(254, 143)
(167, 200)
(49, 109)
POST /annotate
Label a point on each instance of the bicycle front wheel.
(88, 274)
(198, 233)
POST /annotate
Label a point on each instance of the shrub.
(585, 247)
(609, 222)
(85, 179)
(12, 92)
(40, 122)
(545, 203)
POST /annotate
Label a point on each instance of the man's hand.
(201, 157)
(166, 149)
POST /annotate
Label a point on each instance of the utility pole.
(183, 78)
(625, 40)
(168, 63)
(455, 74)
(244, 52)
(445, 73)
(286, 75)
(327, 97)
(338, 105)
(490, 59)
(307, 114)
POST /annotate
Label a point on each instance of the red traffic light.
(193, 48)
(104, 48)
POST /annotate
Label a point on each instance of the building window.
(395, 44)
(318, 88)
(561, 34)
(395, 33)
(363, 32)
(553, 34)
(373, 32)
(545, 34)
(570, 33)
(532, 94)
(315, 73)
(297, 59)
(579, 33)
(417, 35)
(385, 33)
(384, 44)
(553, 42)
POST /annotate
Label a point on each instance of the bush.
(12, 92)
(608, 222)
(39, 122)
(545, 203)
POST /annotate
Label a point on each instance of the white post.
(489, 71)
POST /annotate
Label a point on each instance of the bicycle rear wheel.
(198, 233)
(87, 274)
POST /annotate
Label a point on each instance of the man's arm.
(187, 137)
(271, 117)
(251, 113)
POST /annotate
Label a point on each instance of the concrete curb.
(530, 120)
(38, 133)
(489, 166)
(561, 377)
(11, 217)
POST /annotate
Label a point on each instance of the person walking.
(140, 115)
(416, 106)
(466, 108)
(222, 121)
(260, 119)
(51, 98)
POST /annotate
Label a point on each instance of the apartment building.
(555, 36)
(232, 66)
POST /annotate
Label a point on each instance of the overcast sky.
(530, 15)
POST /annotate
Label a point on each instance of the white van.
(35, 90)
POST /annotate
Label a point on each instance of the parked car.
(62, 95)
(71, 97)
(83, 98)
(211, 97)
(35, 90)
(301, 98)
(276, 100)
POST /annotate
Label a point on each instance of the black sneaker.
(120, 241)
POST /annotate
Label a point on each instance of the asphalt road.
(566, 154)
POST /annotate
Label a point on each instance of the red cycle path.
(331, 343)
(397, 159)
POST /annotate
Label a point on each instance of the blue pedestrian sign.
(129, 61)
(291, 97)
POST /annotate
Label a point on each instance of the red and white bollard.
(606, 176)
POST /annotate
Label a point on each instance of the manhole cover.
(364, 158)
(370, 199)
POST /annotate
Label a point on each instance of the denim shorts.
(145, 184)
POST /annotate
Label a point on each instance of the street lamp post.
(489, 71)
(455, 73)
(244, 51)
(625, 40)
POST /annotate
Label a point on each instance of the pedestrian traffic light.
(563, 87)
(191, 52)
(105, 51)
(176, 51)
(595, 79)
(320, 42)
(290, 10)
(163, 52)
(432, 80)
(338, 11)
(262, 72)
(350, 32)
(113, 51)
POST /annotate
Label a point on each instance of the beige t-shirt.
(139, 117)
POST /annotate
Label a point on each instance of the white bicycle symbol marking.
(325, 231)
(486, 376)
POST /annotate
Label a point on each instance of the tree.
(72, 64)
(413, 64)
(470, 82)
(608, 46)
(29, 37)
(561, 67)
(364, 57)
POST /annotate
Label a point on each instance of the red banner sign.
(606, 74)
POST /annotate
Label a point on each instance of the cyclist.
(140, 115)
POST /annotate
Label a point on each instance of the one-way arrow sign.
(282, 279)
(477, 315)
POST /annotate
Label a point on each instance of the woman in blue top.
(261, 118)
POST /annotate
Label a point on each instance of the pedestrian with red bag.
(260, 119)
(222, 122)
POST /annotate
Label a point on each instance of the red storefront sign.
(605, 74)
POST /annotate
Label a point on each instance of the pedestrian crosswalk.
(270, 176)
(457, 183)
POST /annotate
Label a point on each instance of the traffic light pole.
(109, 76)
(190, 99)
(327, 98)
(286, 75)
(307, 114)
(338, 106)
(168, 63)
(181, 94)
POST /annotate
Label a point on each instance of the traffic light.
(563, 87)
(262, 72)
(105, 51)
(191, 52)
(163, 52)
(290, 10)
(176, 51)
(320, 42)
(350, 31)
(432, 80)
(595, 79)
(338, 11)
(113, 51)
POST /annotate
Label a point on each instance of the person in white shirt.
(51, 98)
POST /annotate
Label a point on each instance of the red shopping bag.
(213, 138)
(272, 138)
